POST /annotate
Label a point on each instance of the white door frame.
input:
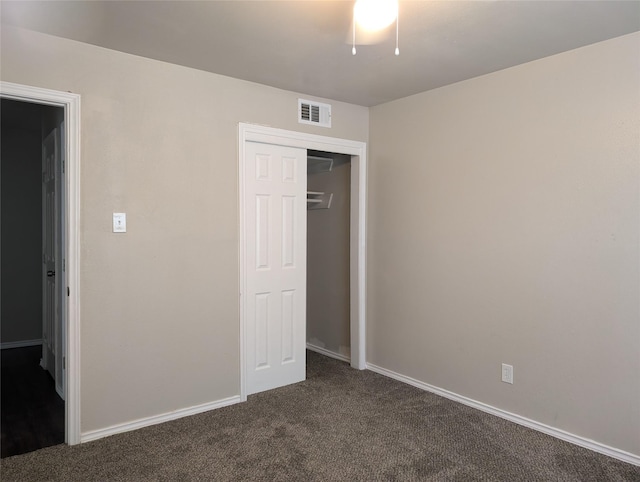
(358, 152)
(71, 104)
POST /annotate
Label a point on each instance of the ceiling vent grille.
(314, 113)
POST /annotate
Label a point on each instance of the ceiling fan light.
(375, 14)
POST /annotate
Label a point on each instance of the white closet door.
(276, 244)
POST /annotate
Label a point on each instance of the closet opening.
(274, 187)
(328, 254)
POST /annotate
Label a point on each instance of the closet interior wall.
(328, 258)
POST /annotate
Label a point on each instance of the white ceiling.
(303, 46)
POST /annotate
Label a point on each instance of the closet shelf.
(319, 200)
(316, 164)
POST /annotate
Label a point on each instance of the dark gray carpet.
(340, 424)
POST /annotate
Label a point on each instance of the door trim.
(358, 152)
(71, 104)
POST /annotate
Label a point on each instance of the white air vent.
(314, 113)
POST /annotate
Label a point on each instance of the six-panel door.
(276, 242)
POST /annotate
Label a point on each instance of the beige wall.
(328, 251)
(504, 227)
(159, 304)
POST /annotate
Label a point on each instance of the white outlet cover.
(507, 373)
(119, 222)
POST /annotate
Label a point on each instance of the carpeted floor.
(340, 424)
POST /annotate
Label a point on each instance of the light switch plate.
(119, 222)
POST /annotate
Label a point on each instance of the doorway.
(248, 173)
(60, 355)
(32, 320)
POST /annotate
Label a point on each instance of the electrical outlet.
(507, 373)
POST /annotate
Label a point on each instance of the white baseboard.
(20, 344)
(156, 419)
(325, 352)
(512, 417)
